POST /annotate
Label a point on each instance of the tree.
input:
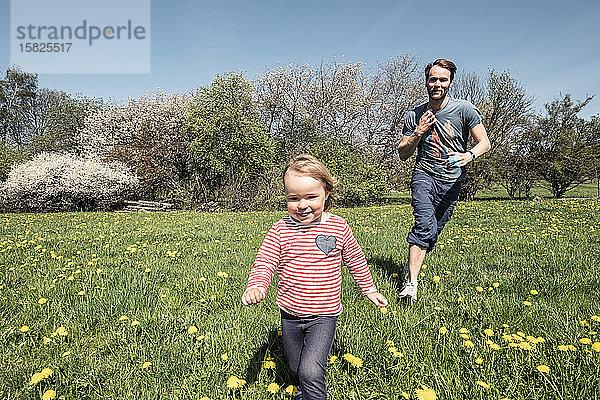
(149, 135)
(56, 118)
(229, 142)
(361, 109)
(17, 96)
(565, 145)
(506, 110)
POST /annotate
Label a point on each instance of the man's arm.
(407, 146)
(482, 145)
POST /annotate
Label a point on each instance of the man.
(439, 130)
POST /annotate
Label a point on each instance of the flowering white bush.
(160, 114)
(53, 182)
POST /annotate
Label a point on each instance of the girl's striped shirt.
(307, 259)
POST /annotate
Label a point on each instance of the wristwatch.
(473, 154)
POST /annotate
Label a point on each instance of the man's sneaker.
(409, 291)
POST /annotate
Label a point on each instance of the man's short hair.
(441, 62)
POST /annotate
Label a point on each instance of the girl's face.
(305, 197)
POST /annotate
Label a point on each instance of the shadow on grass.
(273, 347)
(391, 268)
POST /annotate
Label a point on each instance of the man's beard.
(443, 93)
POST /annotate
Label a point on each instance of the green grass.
(497, 192)
(150, 268)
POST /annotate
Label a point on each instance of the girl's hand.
(378, 299)
(252, 296)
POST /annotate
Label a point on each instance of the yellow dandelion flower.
(235, 383)
(436, 279)
(563, 347)
(332, 359)
(479, 289)
(527, 303)
(147, 270)
(468, 344)
(533, 292)
(269, 364)
(463, 330)
(146, 365)
(465, 336)
(46, 373)
(123, 318)
(394, 275)
(543, 368)
(392, 349)
(49, 395)
(494, 346)
(585, 340)
(65, 354)
(61, 331)
(291, 390)
(426, 394)
(223, 274)
(224, 357)
(495, 284)
(43, 300)
(24, 328)
(192, 329)
(397, 354)
(135, 323)
(525, 346)
(479, 361)
(36, 378)
(46, 340)
(81, 293)
(353, 360)
(405, 395)
(205, 398)
(383, 310)
(595, 318)
(483, 384)
(596, 346)
(443, 330)
(460, 299)
(584, 323)
(389, 342)
(279, 332)
(489, 332)
(273, 388)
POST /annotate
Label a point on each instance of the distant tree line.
(228, 141)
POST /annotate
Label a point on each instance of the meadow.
(113, 305)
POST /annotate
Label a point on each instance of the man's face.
(438, 83)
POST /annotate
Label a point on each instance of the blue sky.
(550, 46)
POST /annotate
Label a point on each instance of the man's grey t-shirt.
(448, 134)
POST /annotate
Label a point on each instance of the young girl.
(306, 248)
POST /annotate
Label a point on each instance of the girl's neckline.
(324, 218)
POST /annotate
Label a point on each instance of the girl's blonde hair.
(305, 164)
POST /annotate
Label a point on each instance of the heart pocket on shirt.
(326, 243)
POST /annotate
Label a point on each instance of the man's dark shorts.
(433, 204)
